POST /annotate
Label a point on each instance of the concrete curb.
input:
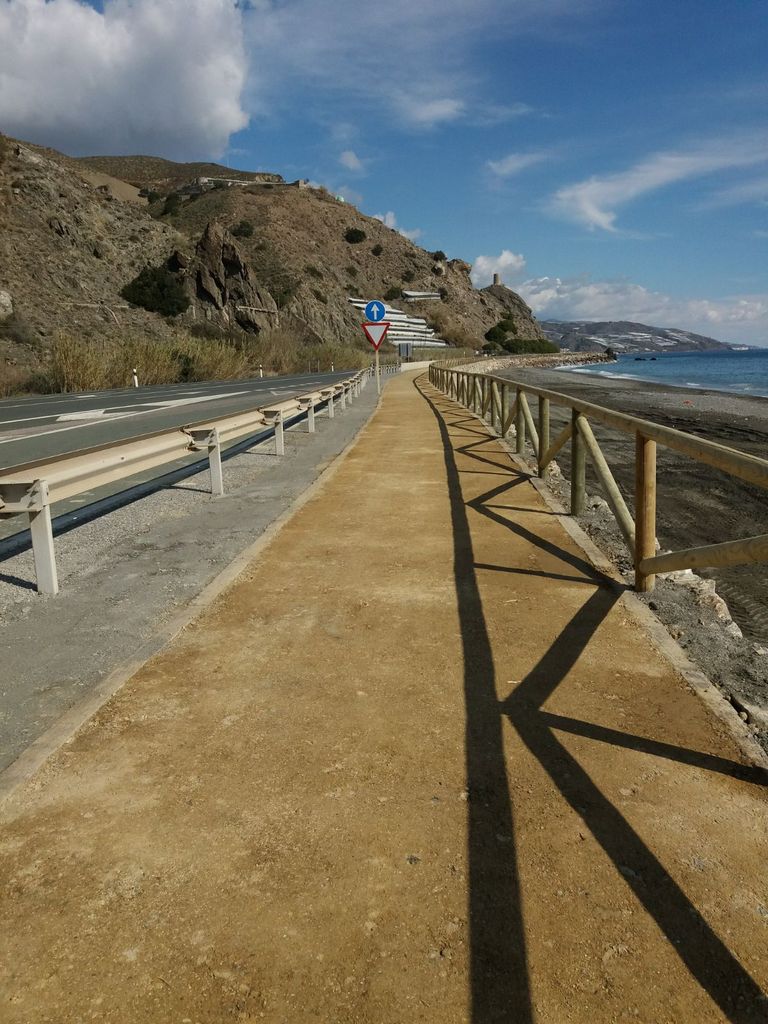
(66, 727)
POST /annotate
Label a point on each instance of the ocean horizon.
(742, 372)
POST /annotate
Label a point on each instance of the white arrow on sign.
(376, 333)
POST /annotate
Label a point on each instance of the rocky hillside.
(249, 257)
(625, 336)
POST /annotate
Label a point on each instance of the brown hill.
(69, 246)
(66, 249)
(303, 248)
(154, 172)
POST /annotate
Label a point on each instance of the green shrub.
(313, 271)
(392, 293)
(242, 230)
(527, 346)
(377, 250)
(409, 276)
(439, 256)
(496, 333)
(508, 325)
(157, 290)
(354, 236)
(172, 205)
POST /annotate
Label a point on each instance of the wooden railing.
(505, 403)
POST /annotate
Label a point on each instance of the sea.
(745, 372)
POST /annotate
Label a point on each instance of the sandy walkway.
(416, 765)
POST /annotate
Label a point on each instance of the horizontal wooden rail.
(711, 556)
(471, 388)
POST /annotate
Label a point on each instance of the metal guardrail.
(489, 396)
(30, 489)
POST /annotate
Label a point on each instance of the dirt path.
(418, 764)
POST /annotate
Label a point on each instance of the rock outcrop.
(221, 285)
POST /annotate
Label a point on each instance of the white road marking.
(83, 414)
(122, 415)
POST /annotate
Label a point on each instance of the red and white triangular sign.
(376, 333)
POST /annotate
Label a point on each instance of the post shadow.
(499, 977)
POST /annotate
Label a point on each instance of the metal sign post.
(376, 333)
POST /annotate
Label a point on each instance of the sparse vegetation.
(354, 236)
(243, 229)
(392, 293)
(157, 290)
(313, 271)
(377, 250)
(439, 256)
(5, 149)
(320, 296)
(409, 276)
(352, 271)
(18, 330)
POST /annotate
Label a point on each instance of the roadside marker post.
(376, 332)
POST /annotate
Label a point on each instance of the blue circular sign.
(375, 311)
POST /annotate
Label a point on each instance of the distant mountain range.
(625, 336)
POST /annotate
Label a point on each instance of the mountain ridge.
(626, 336)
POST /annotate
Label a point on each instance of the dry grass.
(80, 365)
(13, 381)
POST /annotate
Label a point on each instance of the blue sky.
(608, 157)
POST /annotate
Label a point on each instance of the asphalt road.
(43, 427)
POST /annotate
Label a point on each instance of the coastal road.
(44, 427)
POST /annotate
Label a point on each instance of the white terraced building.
(405, 329)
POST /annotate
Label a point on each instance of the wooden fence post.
(645, 509)
(520, 426)
(578, 467)
(543, 433)
(504, 410)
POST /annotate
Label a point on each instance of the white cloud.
(422, 112)
(351, 161)
(753, 191)
(594, 202)
(515, 162)
(390, 221)
(143, 76)
(506, 263)
(734, 318)
(365, 51)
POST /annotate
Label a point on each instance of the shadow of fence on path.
(499, 975)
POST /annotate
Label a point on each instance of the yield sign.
(376, 333)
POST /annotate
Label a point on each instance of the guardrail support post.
(311, 417)
(645, 509)
(578, 467)
(543, 433)
(43, 550)
(343, 399)
(214, 464)
(519, 426)
(279, 435)
(330, 407)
